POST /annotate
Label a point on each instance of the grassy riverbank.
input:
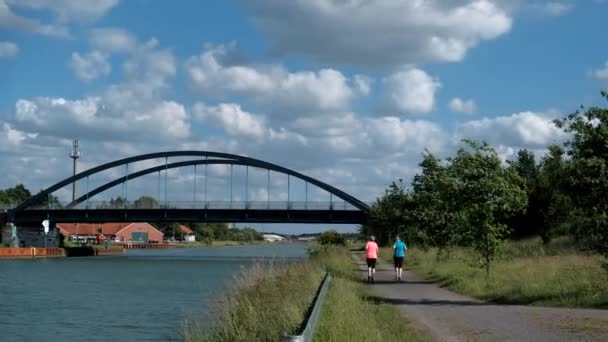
(526, 273)
(270, 301)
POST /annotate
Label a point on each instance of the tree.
(15, 195)
(587, 182)
(486, 194)
(388, 214)
(553, 204)
(331, 237)
(145, 202)
(432, 198)
(50, 201)
(527, 223)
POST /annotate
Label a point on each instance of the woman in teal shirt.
(399, 249)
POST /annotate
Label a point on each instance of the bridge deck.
(36, 216)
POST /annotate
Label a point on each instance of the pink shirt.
(372, 250)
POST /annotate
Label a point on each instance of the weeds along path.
(447, 316)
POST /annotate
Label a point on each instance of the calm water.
(143, 296)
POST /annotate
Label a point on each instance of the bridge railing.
(236, 205)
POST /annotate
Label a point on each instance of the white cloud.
(123, 111)
(410, 91)
(363, 84)
(69, 10)
(601, 74)
(8, 50)
(90, 66)
(93, 117)
(379, 33)
(521, 130)
(555, 8)
(462, 106)
(112, 40)
(9, 20)
(232, 118)
(286, 93)
(11, 136)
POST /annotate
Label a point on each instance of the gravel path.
(447, 316)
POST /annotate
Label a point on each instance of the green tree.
(50, 201)
(331, 237)
(527, 223)
(388, 215)
(433, 210)
(552, 203)
(146, 202)
(15, 195)
(486, 194)
(587, 182)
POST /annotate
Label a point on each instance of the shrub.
(331, 237)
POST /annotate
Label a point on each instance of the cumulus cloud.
(9, 20)
(521, 130)
(286, 93)
(410, 91)
(112, 40)
(380, 33)
(459, 105)
(14, 137)
(602, 73)
(8, 50)
(64, 118)
(122, 111)
(232, 119)
(90, 66)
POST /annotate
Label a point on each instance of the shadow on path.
(424, 301)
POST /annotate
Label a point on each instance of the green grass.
(348, 316)
(270, 302)
(525, 273)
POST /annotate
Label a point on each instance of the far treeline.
(474, 200)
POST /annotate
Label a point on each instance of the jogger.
(372, 255)
(399, 249)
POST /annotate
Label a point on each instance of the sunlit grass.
(525, 273)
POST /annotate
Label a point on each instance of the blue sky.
(350, 92)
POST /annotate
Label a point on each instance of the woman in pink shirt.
(372, 255)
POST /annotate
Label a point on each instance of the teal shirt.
(399, 249)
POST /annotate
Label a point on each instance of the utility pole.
(74, 155)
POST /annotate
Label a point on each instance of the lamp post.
(74, 155)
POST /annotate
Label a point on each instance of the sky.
(351, 92)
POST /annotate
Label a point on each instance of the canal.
(143, 296)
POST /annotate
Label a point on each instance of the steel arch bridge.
(350, 211)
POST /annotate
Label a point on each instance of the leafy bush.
(331, 237)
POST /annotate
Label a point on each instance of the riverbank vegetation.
(270, 301)
(524, 272)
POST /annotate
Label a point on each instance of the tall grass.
(271, 301)
(526, 272)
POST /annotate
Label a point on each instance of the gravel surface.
(446, 316)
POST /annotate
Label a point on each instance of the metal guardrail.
(312, 320)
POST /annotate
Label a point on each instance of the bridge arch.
(224, 158)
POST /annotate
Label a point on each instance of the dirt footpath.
(447, 316)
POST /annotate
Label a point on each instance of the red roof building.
(140, 232)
